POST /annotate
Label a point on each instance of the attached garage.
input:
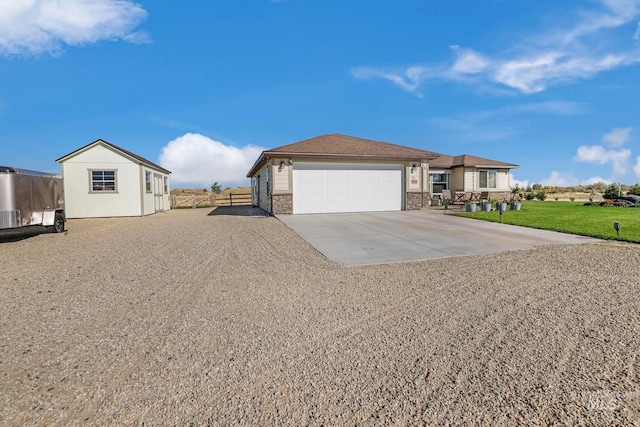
(346, 187)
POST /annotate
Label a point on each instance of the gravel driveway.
(182, 318)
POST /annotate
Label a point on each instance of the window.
(165, 184)
(147, 181)
(488, 179)
(440, 181)
(103, 180)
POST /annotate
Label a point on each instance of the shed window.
(488, 179)
(147, 181)
(103, 180)
(166, 184)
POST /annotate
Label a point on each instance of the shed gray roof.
(128, 153)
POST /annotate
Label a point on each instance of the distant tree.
(634, 189)
(611, 192)
(536, 187)
(541, 195)
(216, 188)
(598, 187)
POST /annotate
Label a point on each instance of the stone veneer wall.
(281, 204)
(416, 201)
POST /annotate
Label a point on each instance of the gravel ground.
(183, 317)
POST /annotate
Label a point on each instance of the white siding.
(503, 179)
(263, 198)
(281, 178)
(130, 199)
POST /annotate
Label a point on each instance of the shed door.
(158, 192)
(330, 188)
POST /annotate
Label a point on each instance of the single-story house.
(340, 173)
(104, 180)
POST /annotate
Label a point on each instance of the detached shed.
(104, 180)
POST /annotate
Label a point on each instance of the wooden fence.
(230, 199)
(193, 201)
(210, 200)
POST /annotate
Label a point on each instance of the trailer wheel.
(58, 223)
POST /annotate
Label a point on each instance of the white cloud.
(579, 51)
(518, 183)
(636, 167)
(617, 137)
(31, 27)
(468, 61)
(197, 159)
(636, 36)
(566, 179)
(597, 154)
(560, 179)
(408, 80)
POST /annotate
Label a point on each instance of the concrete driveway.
(382, 237)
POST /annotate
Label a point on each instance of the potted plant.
(471, 206)
(501, 205)
(515, 203)
(485, 205)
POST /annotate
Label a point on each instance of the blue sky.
(202, 87)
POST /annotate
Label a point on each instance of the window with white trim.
(165, 184)
(103, 181)
(488, 179)
(439, 181)
(147, 181)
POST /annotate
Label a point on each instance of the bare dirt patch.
(183, 317)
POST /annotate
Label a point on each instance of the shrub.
(540, 195)
(612, 192)
(634, 190)
(607, 202)
(573, 199)
(530, 196)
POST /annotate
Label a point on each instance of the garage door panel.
(326, 188)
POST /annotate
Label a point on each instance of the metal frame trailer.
(31, 198)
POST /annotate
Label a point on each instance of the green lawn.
(570, 217)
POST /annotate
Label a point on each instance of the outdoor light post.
(616, 226)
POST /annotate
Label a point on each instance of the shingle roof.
(127, 152)
(338, 146)
(444, 161)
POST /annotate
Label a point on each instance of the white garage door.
(325, 188)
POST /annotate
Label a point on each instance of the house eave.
(266, 155)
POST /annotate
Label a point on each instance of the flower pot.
(515, 206)
(471, 207)
(502, 206)
(486, 207)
